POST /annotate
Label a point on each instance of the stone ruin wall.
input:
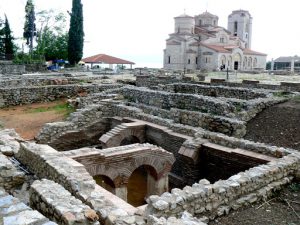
(244, 188)
(84, 117)
(200, 199)
(28, 95)
(217, 91)
(12, 69)
(156, 81)
(229, 126)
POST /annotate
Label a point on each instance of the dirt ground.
(277, 125)
(27, 120)
(282, 209)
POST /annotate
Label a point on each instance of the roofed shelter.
(107, 59)
(289, 63)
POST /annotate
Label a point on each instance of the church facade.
(199, 43)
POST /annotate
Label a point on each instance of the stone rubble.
(59, 205)
(10, 176)
(14, 212)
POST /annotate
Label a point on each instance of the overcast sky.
(136, 30)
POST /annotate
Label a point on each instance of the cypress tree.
(2, 46)
(8, 40)
(76, 33)
(29, 26)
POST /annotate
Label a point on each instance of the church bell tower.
(240, 25)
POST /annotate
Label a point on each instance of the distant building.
(199, 43)
(289, 63)
(106, 61)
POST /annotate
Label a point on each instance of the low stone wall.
(10, 177)
(59, 205)
(286, 86)
(53, 165)
(35, 67)
(233, 142)
(228, 107)
(155, 81)
(27, 80)
(12, 211)
(217, 91)
(27, 95)
(72, 175)
(231, 127)
(205, 199)
(166, 100)
(12, 69)
(78, 121)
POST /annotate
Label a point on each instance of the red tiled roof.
(200, 30)
(216, 48)
(107, 59)
(248, 51)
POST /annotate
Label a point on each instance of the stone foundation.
(205, 199)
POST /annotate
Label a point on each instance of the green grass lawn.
(62, 108)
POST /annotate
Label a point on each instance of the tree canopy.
(76, 33)
(8, 39)
(7, 46)
(52, 37)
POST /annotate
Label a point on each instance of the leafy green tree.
(76, 33)
(29, 26)
(52, 37)
(8, 40)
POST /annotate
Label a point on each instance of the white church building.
(199, 43)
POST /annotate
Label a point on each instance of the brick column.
(157, 187)
(121, 192)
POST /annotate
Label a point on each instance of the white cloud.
(136, 30)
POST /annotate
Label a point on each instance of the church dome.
(184, 24)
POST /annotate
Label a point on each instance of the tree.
(76, 33)
(52, 38)
(8, 40)
(29, 26)
(2, 47)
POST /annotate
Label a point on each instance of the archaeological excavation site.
(155, 150)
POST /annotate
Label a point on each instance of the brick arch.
(114, 137)
(119, 163)
(120, 174)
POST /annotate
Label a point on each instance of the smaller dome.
(184, 15)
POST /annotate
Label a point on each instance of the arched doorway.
(237, 61)
(223, 60)
(105, 182)
(130, 140)
(140, 185)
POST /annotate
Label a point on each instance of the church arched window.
(235, 29)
